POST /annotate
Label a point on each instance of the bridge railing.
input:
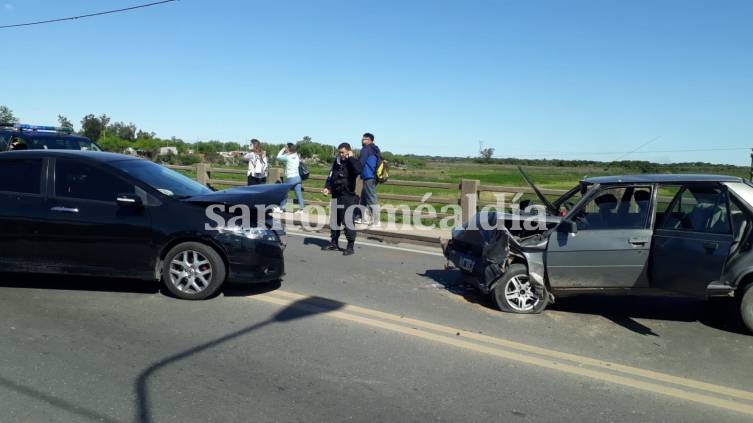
(459, 200)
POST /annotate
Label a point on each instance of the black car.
(105, 214)
(690, 235)
(15, 136)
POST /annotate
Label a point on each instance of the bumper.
(253, 261)
(482, 273)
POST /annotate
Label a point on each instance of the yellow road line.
(633, 371)
(515, 356)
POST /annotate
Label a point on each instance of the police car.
(21, 136)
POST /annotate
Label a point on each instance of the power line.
(88, 15)
(638, 148)
(609, 153)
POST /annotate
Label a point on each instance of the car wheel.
(746, 307)
(193, 271)
(514, 292)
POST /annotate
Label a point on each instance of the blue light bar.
(42, 127)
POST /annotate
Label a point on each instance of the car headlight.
(263, 234)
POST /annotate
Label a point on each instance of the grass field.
(546, 177)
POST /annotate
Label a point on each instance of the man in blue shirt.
(369, 159)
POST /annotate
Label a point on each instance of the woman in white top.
(257, 163)
(290, 158)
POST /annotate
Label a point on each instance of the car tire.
(746, 307)
(193, 271)
(513, 293)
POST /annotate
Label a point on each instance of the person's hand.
(325, 191)
(350, 153)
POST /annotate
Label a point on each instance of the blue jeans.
(295, 183)
(368, 197)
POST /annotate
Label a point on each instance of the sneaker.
(331, 247)
(299, 211)
(357, 221)
(276, 209)
(349, 251)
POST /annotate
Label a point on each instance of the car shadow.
(721, 314)
(77, 283)
(250, 289)
(456, 283)
(317, 242)
(119, 285)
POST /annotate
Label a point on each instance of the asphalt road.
(385, 335)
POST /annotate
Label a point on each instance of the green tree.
(64, 122)
(92, 127)
(6, 115)
(487, 153)
(126, 132)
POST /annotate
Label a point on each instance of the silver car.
(633, 234)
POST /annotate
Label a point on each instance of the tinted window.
(59, 143)
(4, 141)
(21, 175)
(699, 209)
(167, 181)
(78, 180)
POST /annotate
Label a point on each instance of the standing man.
(257, 163)
(341, 183)
(369, 159)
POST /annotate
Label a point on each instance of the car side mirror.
(567, 227)
(524, 204)
(129, 200)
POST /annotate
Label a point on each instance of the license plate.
(467, 264)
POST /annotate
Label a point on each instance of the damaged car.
(669, 234)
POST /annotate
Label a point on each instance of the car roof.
(99, 156)
(661, 178)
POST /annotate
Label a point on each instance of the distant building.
(164, 151)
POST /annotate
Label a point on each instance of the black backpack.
(303, 171)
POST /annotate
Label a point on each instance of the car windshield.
(57, 143)
(568, 200)
(166, 181)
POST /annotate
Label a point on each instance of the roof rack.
(28, 127)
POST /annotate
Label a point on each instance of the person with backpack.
(341, 184)
(257, 163)
(369, 158)
(292, 161)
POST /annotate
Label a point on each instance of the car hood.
(252, 196)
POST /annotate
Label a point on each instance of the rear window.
(60, 143)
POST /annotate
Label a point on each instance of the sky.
(665, 81)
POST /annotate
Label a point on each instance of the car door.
(87, 231)
(610, 248)
(693, 239)
(21, 211)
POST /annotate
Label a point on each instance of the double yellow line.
(646, 380)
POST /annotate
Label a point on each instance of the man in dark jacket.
(369, 159)
(341, 183)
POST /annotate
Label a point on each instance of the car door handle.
(711, 246)
(638, 241)
(64, 209)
